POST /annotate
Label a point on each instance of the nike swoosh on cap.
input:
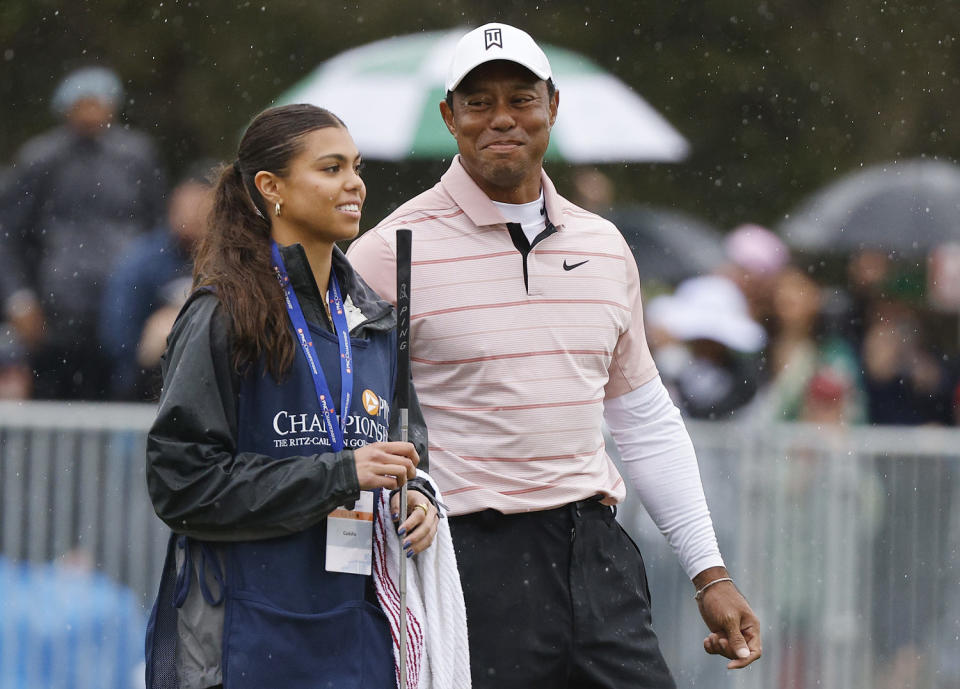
(575, 265)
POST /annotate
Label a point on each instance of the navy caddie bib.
(286, 616)
(288, 622)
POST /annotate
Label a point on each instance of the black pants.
(556, 599)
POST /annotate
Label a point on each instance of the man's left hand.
(734, 628)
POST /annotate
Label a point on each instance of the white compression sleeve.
(661, 464)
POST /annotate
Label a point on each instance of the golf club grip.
(404, 242)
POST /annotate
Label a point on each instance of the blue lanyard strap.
(335, 430)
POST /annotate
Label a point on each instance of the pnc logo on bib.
(371, 402)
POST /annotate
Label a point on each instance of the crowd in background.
(762, 339)
(96, 253)
(765, 334)
(95, 262)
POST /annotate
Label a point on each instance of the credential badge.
(492, 37)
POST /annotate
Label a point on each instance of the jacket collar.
(477, 206)
(379, 313)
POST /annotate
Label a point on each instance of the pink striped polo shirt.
(512, 379)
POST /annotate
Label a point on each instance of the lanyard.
(335, 430)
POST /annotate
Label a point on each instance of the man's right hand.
(385, 465)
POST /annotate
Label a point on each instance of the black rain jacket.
(199, 484)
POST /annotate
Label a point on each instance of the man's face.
(501, 119)
(190, 204)
(89, 116)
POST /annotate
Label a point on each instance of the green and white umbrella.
(388, 93)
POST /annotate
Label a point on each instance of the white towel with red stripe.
(437, 653)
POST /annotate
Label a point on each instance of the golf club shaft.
(403, 400)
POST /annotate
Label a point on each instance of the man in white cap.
(527, 333)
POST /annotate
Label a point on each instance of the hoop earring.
(276, 209)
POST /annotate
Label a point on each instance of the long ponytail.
(234, 255)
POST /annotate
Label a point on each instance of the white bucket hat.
(496, 42)
(708, 308)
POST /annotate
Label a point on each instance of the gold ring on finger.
(421, 506)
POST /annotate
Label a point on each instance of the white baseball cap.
(708, 307)
(496, 42)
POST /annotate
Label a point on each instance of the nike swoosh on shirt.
(575, 265)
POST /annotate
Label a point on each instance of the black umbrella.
(669, 245)
(906, 207)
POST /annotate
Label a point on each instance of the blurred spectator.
(755, 258)
(705, 343)
(78, 194)
(813, 372)
(827, 398)
(593, 191)
(16, 379)
(906, 383)
(868, 272)
(149, 284)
